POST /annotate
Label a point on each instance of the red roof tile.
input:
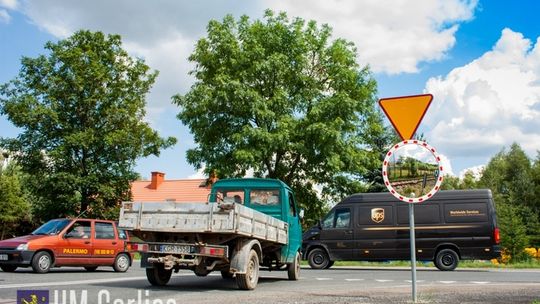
(184, 190)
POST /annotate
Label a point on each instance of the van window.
(424, 213)
(340, 218)
(465, 213)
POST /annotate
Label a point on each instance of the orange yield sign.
(406, 112)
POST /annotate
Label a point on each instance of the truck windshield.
(51, 227)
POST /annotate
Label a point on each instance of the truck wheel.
(158, 276)
(8, 268)
(318, 259)
(293, 269)
(226, 274)
(249, 280)
(446, 260)
(41, 262)
(91, 269)
(121, 263)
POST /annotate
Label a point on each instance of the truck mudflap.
(241, 255)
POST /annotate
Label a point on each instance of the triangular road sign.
(406, 112)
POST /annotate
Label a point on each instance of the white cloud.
(490, 102)
(9, 4)
(476, 171)
(4, 16)
(392, 37)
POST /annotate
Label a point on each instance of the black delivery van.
(453, 225)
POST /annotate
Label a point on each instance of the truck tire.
(42, 262)
(121, 263)
(318, 259)
(293, 269)
(446, 260)
(249, 280)
(158, 276)
(8, 268)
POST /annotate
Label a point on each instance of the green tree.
(81, 111)
(14, 203)
(277, 96)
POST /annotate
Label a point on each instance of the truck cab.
(269, 196)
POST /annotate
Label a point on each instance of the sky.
(479, 59)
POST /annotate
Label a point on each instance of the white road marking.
(80, 282)
(417, 281)
(474, 282)
(353, 280)
(384, 281)
(447, 282)
(324, 279)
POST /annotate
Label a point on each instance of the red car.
(86, 243)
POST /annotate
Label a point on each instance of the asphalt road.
(336, 285)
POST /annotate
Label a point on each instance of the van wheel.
(158, 276)
(121, 263)
(41, 262)
(249, 280)
(8, 268)
(330, 264)
(293, 269)
(446, 260)
(318, 259)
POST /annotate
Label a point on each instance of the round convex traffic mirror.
(412, 171)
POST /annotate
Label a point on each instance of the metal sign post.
(413, 250)
(405, 113)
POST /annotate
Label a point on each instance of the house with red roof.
(159, 189)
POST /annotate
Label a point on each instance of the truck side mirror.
(301, 214)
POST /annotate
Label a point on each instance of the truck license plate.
(3, 257)
(175, 249)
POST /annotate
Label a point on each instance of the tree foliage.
(81, 111)
(278, 97)
(14, 201)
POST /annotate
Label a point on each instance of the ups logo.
(377, 215)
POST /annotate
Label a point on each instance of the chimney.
(157, 179)
(211, 179)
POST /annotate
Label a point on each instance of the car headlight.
(22, 247)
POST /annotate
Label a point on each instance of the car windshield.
(52, 227)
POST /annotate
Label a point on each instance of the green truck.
(247, 224)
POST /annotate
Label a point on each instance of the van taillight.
(496, 235)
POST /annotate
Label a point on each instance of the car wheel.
(91, 269)
(121, 263)
(8, 268)
(318, 259)
(42, 262)
(293, 269)
(446, 260)
(158, 275)
(249, 280)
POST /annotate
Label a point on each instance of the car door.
(337, 234)
(75, 247)
(106, 243)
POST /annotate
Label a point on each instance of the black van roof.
(441, 195)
